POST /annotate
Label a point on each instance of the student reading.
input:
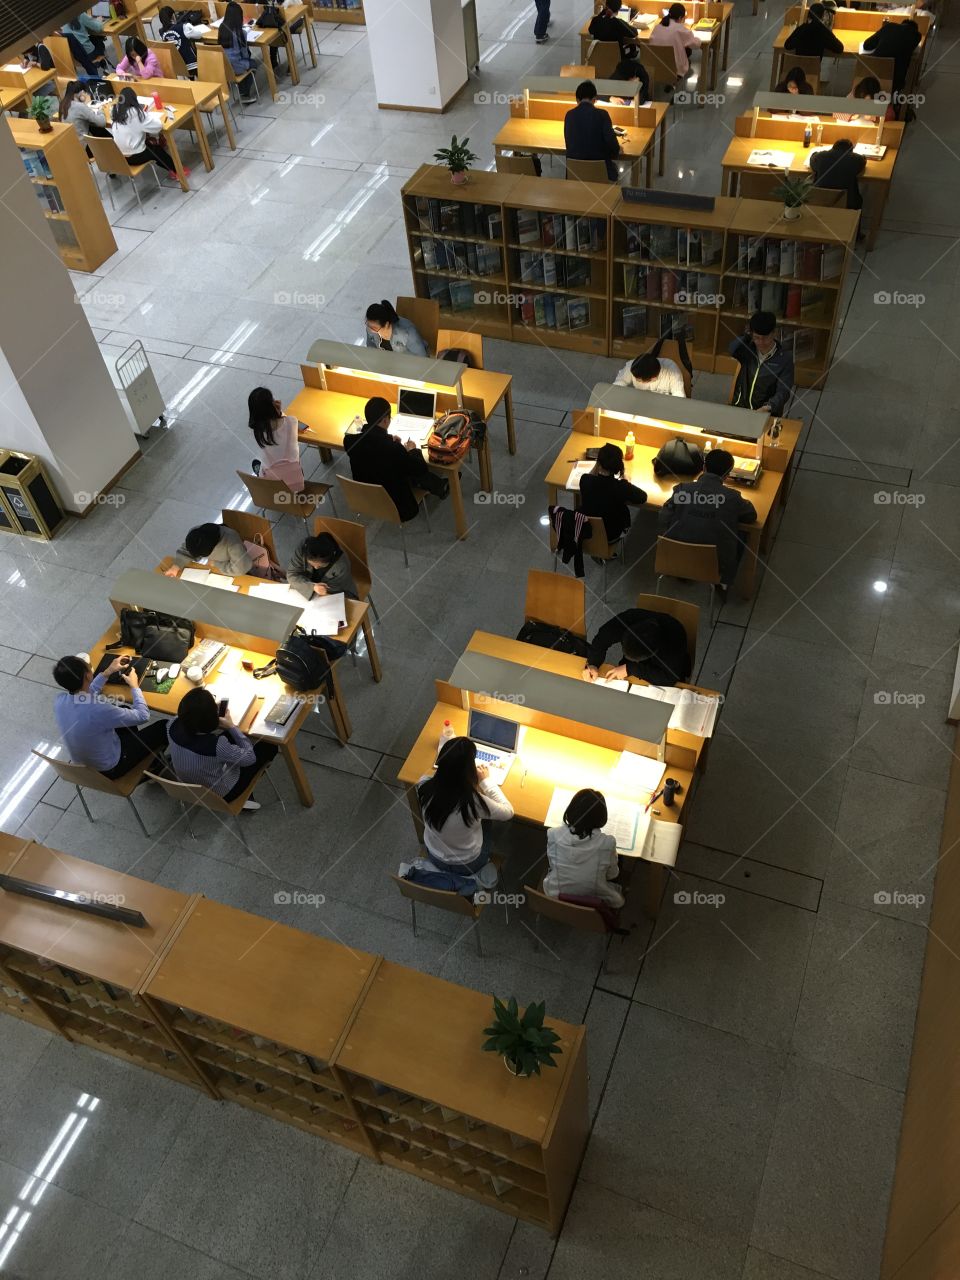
(652, 373)
(96, 731)
(582, 858)
(604, 492)
(320, 567)
(813, 38)
(706, 510)
(383, 328)
(377, 457)
(588, 130)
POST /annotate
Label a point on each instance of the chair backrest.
(661, 64)
(810, 66)
(556, 599)
(694, 560)
(586, 919)
(445, 899)
(596, 543)
(80, 775)
(828, 197)
(352, 537)
(252, 528)
(59, 49)
(274, 495)
(578, 71)
(604, 56)
(368, 500)
(587, 170)
(726, 364)
(213, 66)
(424, 315)
(670, 350)
(687, 614)
(168, 55)
(867, 65)
(465, 339)
(109, 158)
(759, 186)
(517, 164)
(191, 793)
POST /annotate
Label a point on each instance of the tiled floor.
(747, 1060)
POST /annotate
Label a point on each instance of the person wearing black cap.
(588, 130)
(765, 380)
(653, 647)
(705, 510)
(376, 457)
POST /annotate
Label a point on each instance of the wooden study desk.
(714, 45)
(121, 29)
(200, 92)
(638, 144)
(265, 38)
(19, 84)
(851, 27)
(181, 115)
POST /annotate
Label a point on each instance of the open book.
(626, 821)
(770, 159)
(693, 712)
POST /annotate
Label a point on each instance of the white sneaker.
(252, 805)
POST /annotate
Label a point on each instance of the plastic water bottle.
(446, 733)
(807, 135)
(157, 101)
(629, 444)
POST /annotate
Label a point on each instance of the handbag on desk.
(155, 635)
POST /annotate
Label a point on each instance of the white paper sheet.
(325, 614)
(278, 592)
(692, 712)
(770, 159)
(582, 468)
(626, 821)
(221, 582)
(662, 843)
(200, 576)
(638, 773)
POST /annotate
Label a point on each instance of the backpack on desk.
(548, 636)
(452, 436)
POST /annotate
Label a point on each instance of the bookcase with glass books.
(345, 11)
(437, 1107)
(56, 165)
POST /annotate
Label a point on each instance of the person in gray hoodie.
(319, 566)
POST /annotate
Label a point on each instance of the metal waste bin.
(29, 504)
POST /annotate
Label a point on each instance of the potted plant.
(458, 158)
(794, 190)
(41, 108)
(521, 1039)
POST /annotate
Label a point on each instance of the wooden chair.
(373, 500)
(424, 315)
(251, 528)
(595, 544)
(587, 170)
(443, 900)
(171, 63)
(274, 495)
(585, 919)
(557, 600)
(725, 364)
(604, 57)
(687, 614)
(80, 776)
(352, 537)
(695, 561)
(59, 50)
(670, 350)
(661, 64)
(213, 66)
(190, 794)
(578, 71)
(109, 159)
(517, 164)
(465, 339)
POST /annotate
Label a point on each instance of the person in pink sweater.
(275, 434)
(672, 30)
(140, 63)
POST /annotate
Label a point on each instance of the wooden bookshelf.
(57, 166)
(352, 14)
(536, 232)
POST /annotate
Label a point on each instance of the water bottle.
(446, 733)
(629, 444)
(819, 134)
(157, 102)
(776, 426)
(807, 135)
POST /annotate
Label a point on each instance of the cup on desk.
(194, 674)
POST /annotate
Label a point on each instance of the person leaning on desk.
(582, 858)
(630, 68)
(588, 130)
(813, 38)
(707, 511)
(377, 457)
(765, 380)
(653, 647)
(652, 373)
(383, 328)
(607, 494)
(896, 40)
(839, 168)
(225, 550)
(319, 567)
(606, 25)
(98, 732)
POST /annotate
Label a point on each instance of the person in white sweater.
(276, 436)
(458, 804)
(582, 857)
(652, 373)
(138, 133)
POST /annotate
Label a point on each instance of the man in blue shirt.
(100, 733)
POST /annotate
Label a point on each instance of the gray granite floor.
(747, 1059)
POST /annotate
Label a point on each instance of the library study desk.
(545, 137)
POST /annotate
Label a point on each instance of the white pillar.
(56, 396)
(418, 52)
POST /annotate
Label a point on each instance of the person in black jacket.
(630, 68)
(813, 38)
(606, 25)
(376, 457)
(604, 492)
(653, 648)
(765, 380)
(707, 511)
(588, 130)
(896, 40)
(838, 169)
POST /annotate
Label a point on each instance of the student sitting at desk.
(276, 436)
(630, 68)
(582, 857)
(377, 457)
(137, 134)
(795, 81)
(605, 493)
(588, 130)
(813, 38)
(653, 647)
(88, 33)
(868, 90)
(76, 108)
(221, 547)
(388, 331)
(671, 31)
(896, 40)
(320, 567)
(458, 805)
(606, 25)
(232, 39)
(652, 373)
(98, 732)
(765, 380)
(208, 749)
(140, 62)
(839, 169)
(707, 511)
(179, 32)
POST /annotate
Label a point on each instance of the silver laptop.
(416, 414)
(496, 742)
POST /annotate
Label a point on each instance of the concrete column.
(418, 52)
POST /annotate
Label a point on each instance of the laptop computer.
(416, 414)
(496, 742)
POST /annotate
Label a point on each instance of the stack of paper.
(693, 712)
(325, 614)
(633, 772)
(278, 592)
(771, 159)
(626, 821)
(581, 468)
(662, 843)
(221, 582)
(200, 576)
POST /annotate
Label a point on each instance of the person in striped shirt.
(209, 750)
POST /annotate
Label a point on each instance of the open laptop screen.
(493, 731)
(422, 404)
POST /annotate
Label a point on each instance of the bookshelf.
(56, 164)
(345, 11)
(626, 274)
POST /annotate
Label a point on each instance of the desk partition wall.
(216, 610)
(531, 689)
(386, 364)
(817, 105)
(713, 421)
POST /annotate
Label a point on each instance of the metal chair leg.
(189, 816)
(413, 916)
(133, 183)
(376, 611)
(656, 589)
(113, 203)
(714, 617)
(353, 649)
(426, 516)
(85, 807)
(403, 543)
(137, 815)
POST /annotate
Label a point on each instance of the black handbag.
(678, 458)
(155, 635)
(271, 17)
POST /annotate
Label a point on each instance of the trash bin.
(29, 504)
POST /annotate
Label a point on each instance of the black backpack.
(458, 355)
(548, 636)
(678, 458)
(302, 665)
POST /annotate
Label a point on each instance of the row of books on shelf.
(453, 295)
(687, 246)
(339, 4)
(803, 343)
(49, 198)
(35, 163)
(563, 230)
(662, 284)
(462, 257)
(801, 259)
(786, 301)
(456, 218)
(636, 322)
(554, 269)
(554, 311)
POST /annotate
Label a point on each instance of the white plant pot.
(791, 215)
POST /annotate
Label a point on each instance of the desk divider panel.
(650, 418)
(387, 364)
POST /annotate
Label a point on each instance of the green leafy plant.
(794, 190)
(457, 157)
(521, 1038)
(41, 108)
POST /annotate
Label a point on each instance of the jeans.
(543, 17)
(136, 744)
(264, 752)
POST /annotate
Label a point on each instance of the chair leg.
(189, 817)
(137, 815)
(605, 967)
(113, 203)
(133, 183)
(403, 543)
(84, 803)
(413, 916)
(426, 515)
(656, 589)
(353, 649)
(714, 618)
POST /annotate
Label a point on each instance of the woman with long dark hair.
(76, 108)
(458, 804)
(137, 134)
(232, 39)
(275, 433)
(140, 62)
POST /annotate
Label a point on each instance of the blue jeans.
(543, 17)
